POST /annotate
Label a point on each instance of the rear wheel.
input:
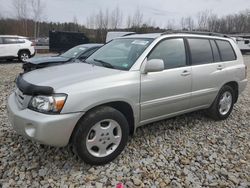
(23, 56)
(223, 104)
(100, 136)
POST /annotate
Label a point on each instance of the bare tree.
(37, 7)
(99, 20)
(129, 22)
(90, 22)
(75, 20)
(106, 21)
(190, 23)
(101, 23)
(137, 19)
(116, 18)
(170, 25)
(187, 23)
(213, 23)
(202, 19)
(21, 10)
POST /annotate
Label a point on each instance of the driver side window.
(171, 51)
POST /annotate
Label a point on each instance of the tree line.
(99, 23)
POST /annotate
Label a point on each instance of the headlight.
(48, 104)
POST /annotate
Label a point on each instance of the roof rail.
(196, 33)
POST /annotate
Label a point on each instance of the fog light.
(30, 130)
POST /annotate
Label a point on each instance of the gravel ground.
(188, 151)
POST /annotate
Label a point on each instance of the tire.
(221, 110)
(23, 56)
(91, 141)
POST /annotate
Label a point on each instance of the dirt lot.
(188, 151)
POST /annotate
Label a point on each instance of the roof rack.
(196, 33)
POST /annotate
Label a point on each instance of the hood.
(68, 74)
(52, 59)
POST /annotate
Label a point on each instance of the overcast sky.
(158, 10)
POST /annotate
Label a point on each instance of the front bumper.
(54, 130)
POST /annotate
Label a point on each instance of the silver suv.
(129, 82)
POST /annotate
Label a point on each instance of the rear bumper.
(54, 130)
(242, 85)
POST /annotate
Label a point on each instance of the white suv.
(12, 47)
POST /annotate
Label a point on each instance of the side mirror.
(153, 65)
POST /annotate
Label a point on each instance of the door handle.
(219, 67)
(185, 73)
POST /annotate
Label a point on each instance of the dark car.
(80, 52)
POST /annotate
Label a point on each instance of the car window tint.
(215, 51)
(226, 50)
(1, 41)
(201, 52)
(171, 51)
(10, 40)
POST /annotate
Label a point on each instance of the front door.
(167, 92)
(2, 48)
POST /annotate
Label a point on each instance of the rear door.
(208, 71)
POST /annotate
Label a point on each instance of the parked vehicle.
(61, 41)
(75, 54)
(115, 34)
(12, 47)
(129, 82)
(243, 44)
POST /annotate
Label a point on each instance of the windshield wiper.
(105, 64)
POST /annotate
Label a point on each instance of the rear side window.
(20, 40)
(215, 51)
(1, 40)
(10, 40)
(171, 51)
(226, 50)
(201, 52)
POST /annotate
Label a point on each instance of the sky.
(159, 11)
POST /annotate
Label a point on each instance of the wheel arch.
(124, 107)
(235, 86)
(23, 50)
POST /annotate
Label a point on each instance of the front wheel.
(223, 104)
(23, 56)
(101, 135)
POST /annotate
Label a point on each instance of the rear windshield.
(74, 52)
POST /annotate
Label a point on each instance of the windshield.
(74, 52)
(120, 53)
